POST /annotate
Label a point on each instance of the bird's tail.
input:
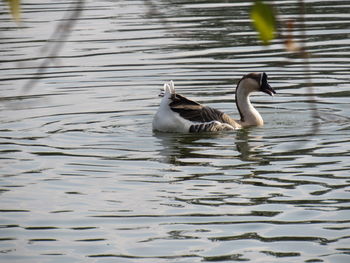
(167, 89)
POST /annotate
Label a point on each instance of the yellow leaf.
(15, 9)
(264, 21)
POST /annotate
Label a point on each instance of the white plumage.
(167, 120)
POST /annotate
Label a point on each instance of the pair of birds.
(176, 113)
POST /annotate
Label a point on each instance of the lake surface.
(84, 178)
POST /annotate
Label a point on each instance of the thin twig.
(56, 42)
(307, 70)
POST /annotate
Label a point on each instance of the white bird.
(176, 113)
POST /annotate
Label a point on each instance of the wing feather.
(193, 111)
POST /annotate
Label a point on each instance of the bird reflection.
(178, 149)
(249, 146)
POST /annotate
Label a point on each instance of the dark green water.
(84, 178)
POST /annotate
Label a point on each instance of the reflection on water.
(84, 178)
(177, 147)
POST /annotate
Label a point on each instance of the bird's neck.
(249, 115)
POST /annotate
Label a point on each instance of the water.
(84, 178)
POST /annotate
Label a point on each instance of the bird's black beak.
(265, 86)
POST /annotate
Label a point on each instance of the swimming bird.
(176, 113)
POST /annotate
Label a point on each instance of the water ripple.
(85, 178)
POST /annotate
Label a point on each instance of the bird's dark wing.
(193, 111)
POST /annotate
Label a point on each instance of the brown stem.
(307, 69)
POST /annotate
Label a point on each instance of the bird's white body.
(165, 119)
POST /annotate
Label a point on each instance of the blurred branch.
(307, 70)
(153, 12)
(57, 41)
(264, 20)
